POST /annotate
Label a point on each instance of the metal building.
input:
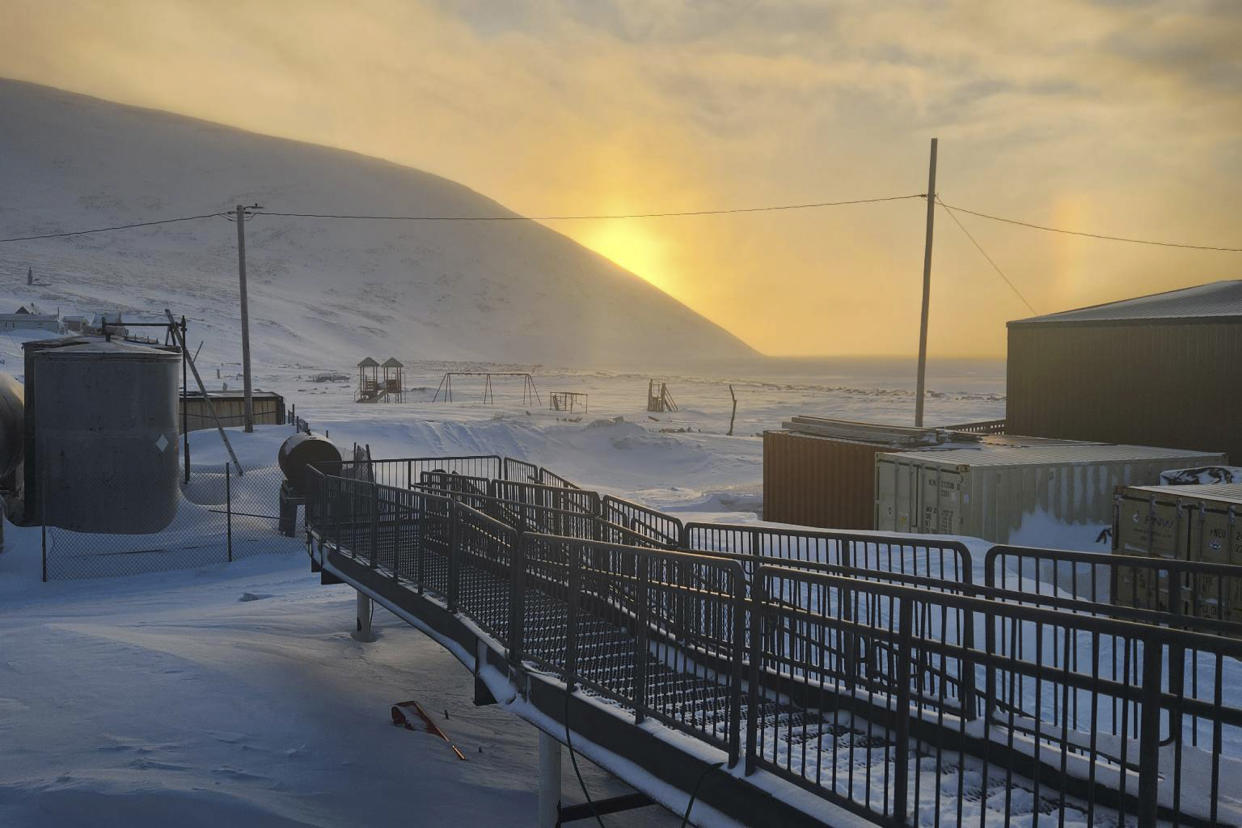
(1160, 370)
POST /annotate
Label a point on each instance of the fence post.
(643, 564)
(228, 509)
(43, 519)
(1149, 737)
(901, 757)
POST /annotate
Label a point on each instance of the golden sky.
(1113, 117)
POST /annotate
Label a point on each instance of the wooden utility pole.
(245, 318)
(927, 256)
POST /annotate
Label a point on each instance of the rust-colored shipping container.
(827, 479)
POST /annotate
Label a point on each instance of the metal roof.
(1214, 301)
(1224, 492)
(1046, 454)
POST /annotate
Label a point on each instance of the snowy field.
(233, 694)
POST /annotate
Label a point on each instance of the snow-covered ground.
(233, 694)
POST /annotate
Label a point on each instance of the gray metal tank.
(12, 428)
(104, 421)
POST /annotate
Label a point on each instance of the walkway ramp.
(833, 678)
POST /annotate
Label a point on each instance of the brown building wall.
(232, 412)
(1174, 385)
(818, 481)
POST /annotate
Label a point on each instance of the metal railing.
(874, 668)
(408, 471)
(865, 681)
(659, 528)
(944, 560)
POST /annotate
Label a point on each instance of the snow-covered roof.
(1051, 453)
(1214, 301)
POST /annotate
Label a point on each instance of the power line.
(597, 217)
(110, 229)
(985, 255)
(1020, 223)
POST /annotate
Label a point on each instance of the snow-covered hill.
(328, 292)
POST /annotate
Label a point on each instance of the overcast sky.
(1112, 117)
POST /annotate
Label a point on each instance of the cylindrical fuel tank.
(104, 417)
(300, 452)
(12, 419)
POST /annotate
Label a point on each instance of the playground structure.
(394, 384)
(529, 390)
(659, 398)
(372, 389)
(568, 401)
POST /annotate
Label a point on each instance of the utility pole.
(927, 254)
(245, 318)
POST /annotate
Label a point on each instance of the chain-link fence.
(221, 516)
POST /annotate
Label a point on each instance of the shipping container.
(990, 489)
(821, 472)
(1189, 523)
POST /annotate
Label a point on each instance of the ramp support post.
(362, 630)
(549, 781)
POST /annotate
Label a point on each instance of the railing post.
(374, 525)
(517, 598)
(901, 750)
(571, 615)
(738, 610)
(757, 619)
(640, 638)
(1149, 736)
(397, 537)
(420, 533)
(454, 556)
(966, 666)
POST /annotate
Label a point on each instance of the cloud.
(1129, 112)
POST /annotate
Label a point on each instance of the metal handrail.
(896, 647)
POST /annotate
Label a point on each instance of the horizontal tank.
(300, 452)
(104, 421)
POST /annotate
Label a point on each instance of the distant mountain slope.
(329, 292)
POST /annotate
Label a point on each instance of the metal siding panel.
(1176, 385)
(816, 481)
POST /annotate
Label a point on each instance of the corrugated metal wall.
(1153, 384)
(819, 481)
(267, 410)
